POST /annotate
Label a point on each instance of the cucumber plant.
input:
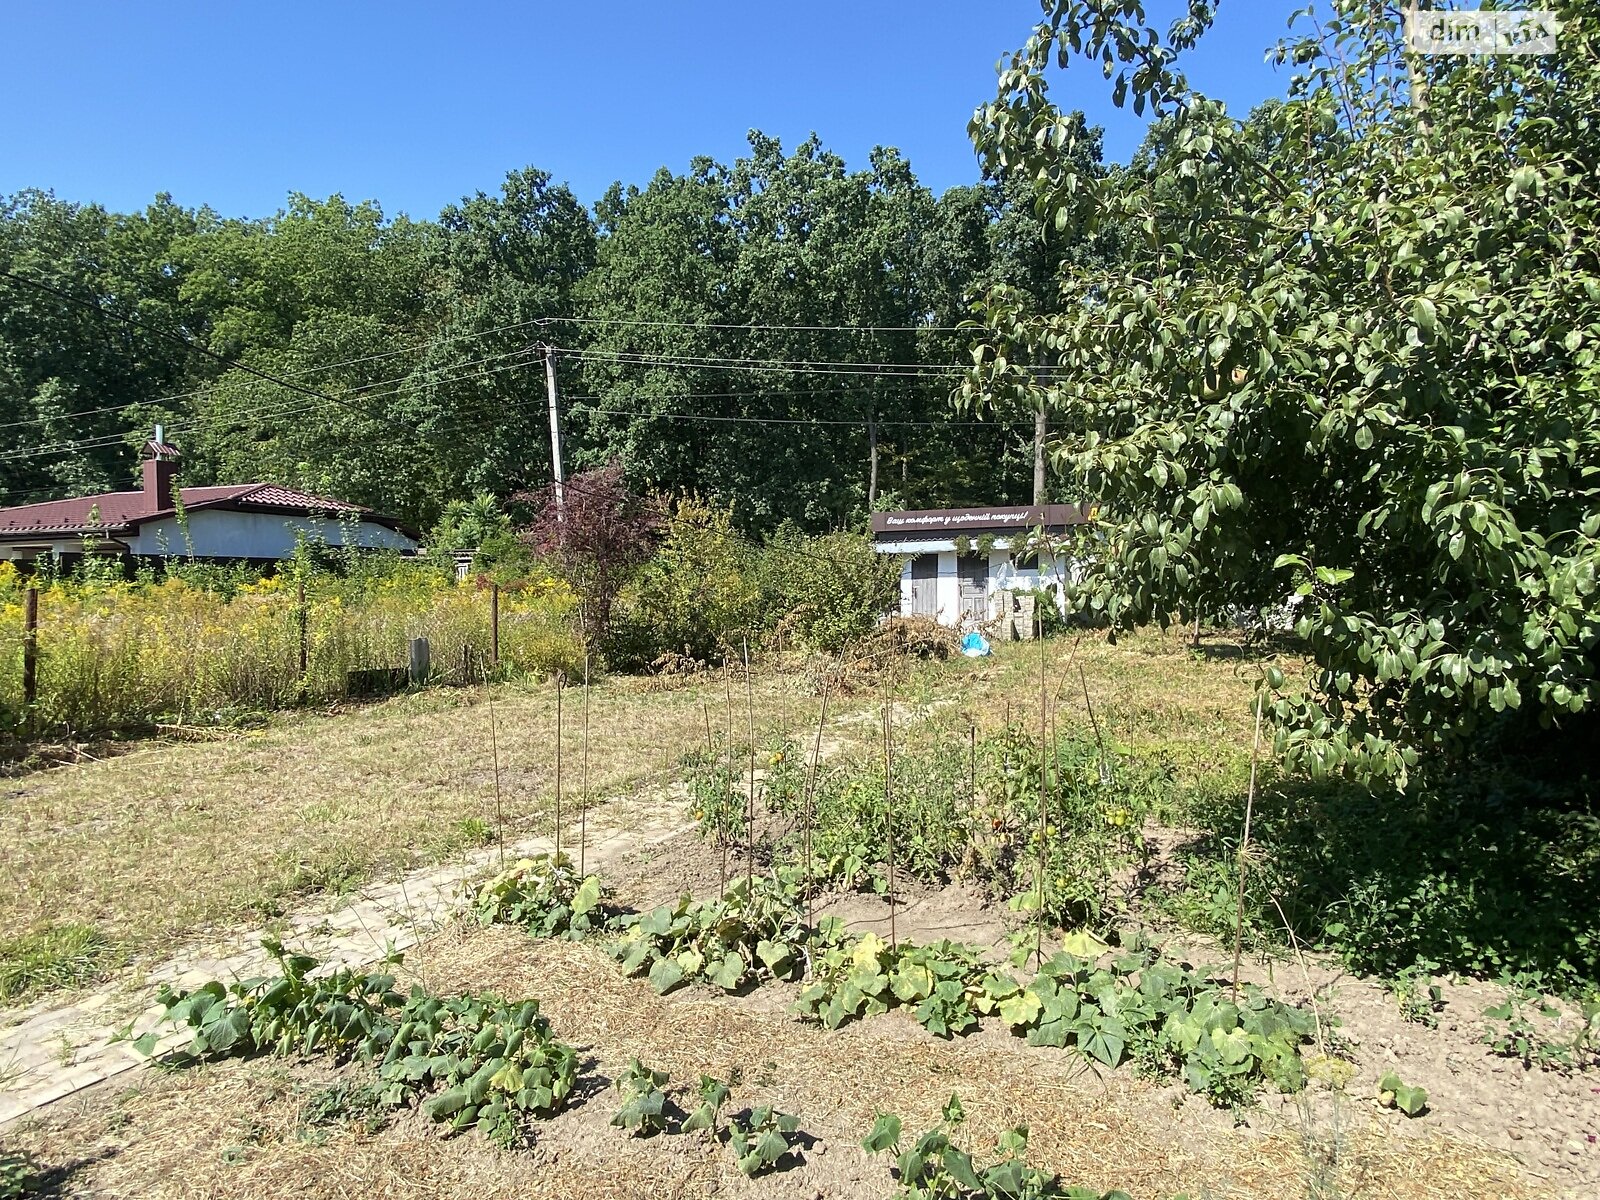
(942, 983)
(713, 1095)
(1393, 1093)
(644, 1104)
(934, 1167)
(497, 1065)
(748, 933)
(484, 1062)
(1169, 1019)
(545, 895)
(761, 1137)
(343, 1012)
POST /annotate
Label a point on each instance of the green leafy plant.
(934, 1168)
(490, 1063)
(713, 1095)
(1420, 1000)
(1523, 1026)
(942, 983)
(751, 932)
(545, 895)
(1169, 1019)
(1392, 1093)
(717, 799)
(761, 1137)
(643, 1108)
(344, 1013)
(19, 1176)
(497, 1064)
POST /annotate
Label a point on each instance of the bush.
(1486, 874)
(826, 590)
(695, 597)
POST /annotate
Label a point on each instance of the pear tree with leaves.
(1346, 351)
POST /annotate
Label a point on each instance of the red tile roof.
(116, 512)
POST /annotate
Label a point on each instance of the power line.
(111, 439)
(758, 326)
(858, 423)
(321, 368)
(772, 366)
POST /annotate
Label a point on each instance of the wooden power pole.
(555, 433)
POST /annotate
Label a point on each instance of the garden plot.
(902, 905)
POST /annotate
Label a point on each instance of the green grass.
(58, 956)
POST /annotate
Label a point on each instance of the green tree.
(1350, 353)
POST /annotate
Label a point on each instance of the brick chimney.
(160, 472)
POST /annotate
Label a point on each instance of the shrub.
(695, 597)
(828, 590)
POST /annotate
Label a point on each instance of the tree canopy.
(777, 335)
(1345, 352)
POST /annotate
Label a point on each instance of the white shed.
(957, 562)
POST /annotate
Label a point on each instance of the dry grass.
(177, 839)
(235, 1129)
(1151, 693)
(157, 845)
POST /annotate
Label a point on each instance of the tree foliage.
(596, 532)
(1346, 350)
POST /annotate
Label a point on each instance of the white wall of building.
(1002, 575)
(223, 533)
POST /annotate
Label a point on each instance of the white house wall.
(947, 586)
(221, 533)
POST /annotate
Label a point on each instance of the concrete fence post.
(421, 662)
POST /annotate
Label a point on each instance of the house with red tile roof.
(252, 522)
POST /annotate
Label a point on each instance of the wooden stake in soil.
(301, 619)
(972, 768)
(560, 684)
(725, 834)
(807, 815)
(1044, 797)
(750, 800)
(494, 754)
(888, 810)
(30, 650)
(494, 625)
(583, 812)
(1244, 850)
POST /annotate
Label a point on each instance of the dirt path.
(52, 1049)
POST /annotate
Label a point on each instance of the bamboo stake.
(583, 813)
(807, 812)
(750, 800)
(494, 753)
(972, 768)
(1044, 801)
(560, 684)
(30, 654)
(724, 836)
(888, 810)
(1244, 849)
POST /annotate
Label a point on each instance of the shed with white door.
(957, 563)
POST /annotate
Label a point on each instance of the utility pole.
(555, 433)
(1039, 430)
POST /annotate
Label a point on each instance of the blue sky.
(414, 105)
